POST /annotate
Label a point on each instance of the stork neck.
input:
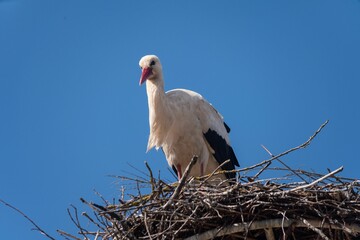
(157, 97)
(160, 113)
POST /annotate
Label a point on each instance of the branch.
(267, 150)
(29, 219)
(182, 181)
(215, 171)
(315, 229)
(304, 145)
(318, 180)
(76, 221)
(152, 181)
(66, 235)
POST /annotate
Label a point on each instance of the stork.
(184, 124)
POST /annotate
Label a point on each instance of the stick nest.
(299, 205)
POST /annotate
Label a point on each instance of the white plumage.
(184, 124)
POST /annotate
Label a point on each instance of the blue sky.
(72, 111)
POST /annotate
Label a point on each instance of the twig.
(29, 219)
(101, 197)
(318, 180)
(182, 181)
(261, 171)
(186, 221)
(304, 145)
(278, 159)
(96, 207)
(151, 177)
(97, 235)
(65, 234)
(92, 220)
(76, 221)
(146, 226)
(212, 174)
(318, 231)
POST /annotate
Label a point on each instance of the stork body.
(184, 124)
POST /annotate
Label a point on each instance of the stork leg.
(179, 173)
(202, 169)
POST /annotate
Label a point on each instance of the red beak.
(146, 72)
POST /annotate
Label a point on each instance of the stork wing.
(213, 127)
(215, 131)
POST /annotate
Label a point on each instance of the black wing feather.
(227, 127)
(174, 169)
(223, 151)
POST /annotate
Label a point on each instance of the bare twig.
(261, 171)
(318, 231)
(318, 180)
(182, 181)
(152, 181)
(92, 220)
(304, 145)
(147, 226)
(76, 221)
(65, 234)
(213, 173)
(278, 159)
(37, 227)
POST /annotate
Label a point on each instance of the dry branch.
(303, 145)
(182, 181)
(37, 227)
(318, 180)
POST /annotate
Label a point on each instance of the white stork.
(184, 124)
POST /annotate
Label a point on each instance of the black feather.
(174, 168)
(223, 151)
(227, 127)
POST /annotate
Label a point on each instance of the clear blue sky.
(72, 112)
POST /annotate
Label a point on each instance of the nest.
(299, 205)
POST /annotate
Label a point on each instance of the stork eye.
(152, 63)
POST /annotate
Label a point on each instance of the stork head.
(151, 68)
